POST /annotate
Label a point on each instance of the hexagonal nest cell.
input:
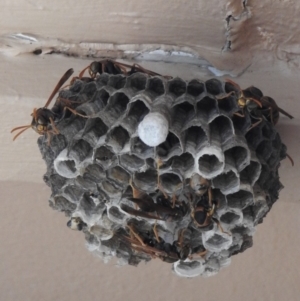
(193, 200)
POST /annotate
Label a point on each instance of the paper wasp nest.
(99, 170)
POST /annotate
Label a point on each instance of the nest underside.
(97, 165)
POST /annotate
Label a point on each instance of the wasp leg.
(82, 72)
(74, 78)
(54, 128)
(220, 227)
(233, 83)
(136, 235)
(145, 204)
(211, 211)
(174, 199)
(121, 66)
(71, 83)
(162, 190)
(144, 249)
(155, 232)
(135, 192)
(49, 134)
(76, 113)
(139, 68)
(271, 115)
(239, 115)
(134, 212)
(180, 237)
(225, 96)
(255, 124)
(291, 159)
(256, 101)
(65, 102)
(203, 253)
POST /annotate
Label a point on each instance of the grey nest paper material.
(130, 175)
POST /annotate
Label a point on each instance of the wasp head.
(41, 119)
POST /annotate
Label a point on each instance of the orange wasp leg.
(291, 159)
(155, 231)
(133, 232)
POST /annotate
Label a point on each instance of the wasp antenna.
(16, 136)
(64, 78)
(20, 127)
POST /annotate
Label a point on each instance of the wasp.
(43, 119)
(258, 106)
(271, 111)
(162, 209)
(113, 67)
(159, 210)
(204, 206)
(155, 247)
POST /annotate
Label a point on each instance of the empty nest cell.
(104, 156)
(156, 86)
(238, 157)
(177, 87)
(137, 111)
(214, 86)
(97, 103)
(170, 182)
(207, 109)
(131, 162)
(227, 104)
(221, 129)
(209, 164)
(115, 108)
(169, 147)
(195, 139)
(119, 175)
(227, 182)
(137, 81)
(117, 138)
(182, 113)
(95, 129)
(146, 181)
(117, 81)
(140, 149)
(240, 199)
(195, 88)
